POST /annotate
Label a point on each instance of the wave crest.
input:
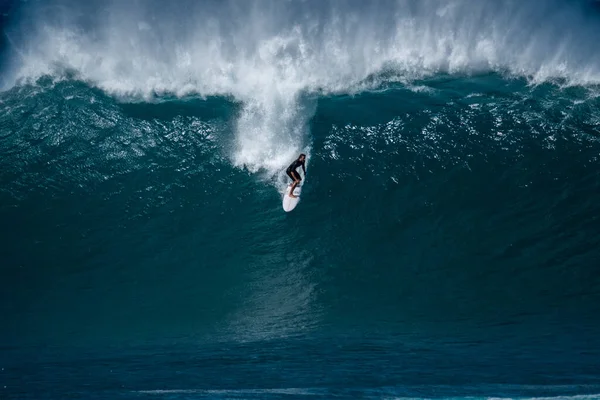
(266, 54)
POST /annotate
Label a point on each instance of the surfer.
(292, 173)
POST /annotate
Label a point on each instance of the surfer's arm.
(303, 169)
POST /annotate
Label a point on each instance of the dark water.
(446, 243)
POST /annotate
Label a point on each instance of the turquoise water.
(446, 241)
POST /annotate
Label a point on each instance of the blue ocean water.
(446, 241)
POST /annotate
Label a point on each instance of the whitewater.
(277, 58)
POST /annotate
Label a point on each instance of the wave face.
(269, 54)
(446, 244)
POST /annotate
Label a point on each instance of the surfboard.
(289, 203)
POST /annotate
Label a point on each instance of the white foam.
(269, 54)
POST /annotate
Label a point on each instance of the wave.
(366, 393)
(276, 58)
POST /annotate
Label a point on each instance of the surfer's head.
(302, 157)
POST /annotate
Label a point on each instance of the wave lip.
(268, 47)
(268, 55)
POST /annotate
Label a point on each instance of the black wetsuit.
(291, 170)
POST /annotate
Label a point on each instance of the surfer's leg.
(297, 179)
(289, 173)
(292, 189)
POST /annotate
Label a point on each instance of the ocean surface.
(447, 241)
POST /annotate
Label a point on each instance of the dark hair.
(302, 155)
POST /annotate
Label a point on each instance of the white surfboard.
(289, 203)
